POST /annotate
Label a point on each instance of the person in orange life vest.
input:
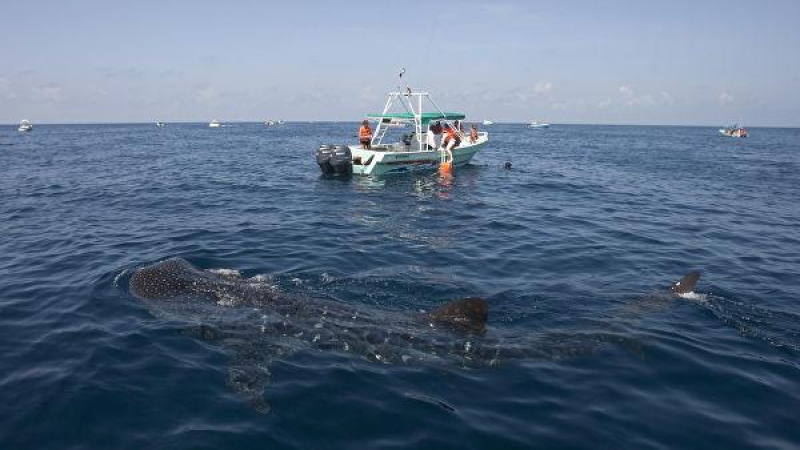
(451, 138)
(473, 134)
(365, 134)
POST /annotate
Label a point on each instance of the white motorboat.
(734, 131)
(488, 122)
(413, 151)
(25, 126)
(536, 124)
(160, 124)
(214, 124)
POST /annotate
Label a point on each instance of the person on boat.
(473, 134)
(365, 135)
(430, 139)
(434, 129)
(451, 138)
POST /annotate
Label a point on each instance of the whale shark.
(257, 324)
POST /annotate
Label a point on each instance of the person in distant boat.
(365, 135)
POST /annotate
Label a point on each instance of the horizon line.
(192, 122)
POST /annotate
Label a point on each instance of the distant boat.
(488, 122)
(160, 124)
(214, 124)
(396, 123)
(536, 124)
(734, 131)
(24, 126)
(270, 123)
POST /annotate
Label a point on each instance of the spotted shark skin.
(257, 325)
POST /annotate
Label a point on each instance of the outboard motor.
(335, 160)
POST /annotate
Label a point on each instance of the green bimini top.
(426, 117)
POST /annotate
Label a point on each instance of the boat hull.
(738, 132)
(383, 162)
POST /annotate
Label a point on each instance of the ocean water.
(577, 240)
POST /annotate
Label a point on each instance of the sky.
(612, 62)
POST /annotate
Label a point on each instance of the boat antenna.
(400, 90)
(400, 79)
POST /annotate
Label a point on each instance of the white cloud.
(49, 92)
(543, 87)
(631, 98)
(725, 98)
(646, 100)
(626, 91)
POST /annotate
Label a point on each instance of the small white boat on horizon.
(160, 124)
(270, 123)
(734, 131)
(536, 124)
(214, 124)
(488, 122)
(25, 126)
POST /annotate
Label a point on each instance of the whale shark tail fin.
(465, 314)
(686, 284)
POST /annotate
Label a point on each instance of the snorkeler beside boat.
(422, 149)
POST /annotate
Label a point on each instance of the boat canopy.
(413, 111)
(425, 117)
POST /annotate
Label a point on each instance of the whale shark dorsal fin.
(465, 314)
(686, 284)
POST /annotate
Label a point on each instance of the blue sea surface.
(576, 240)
